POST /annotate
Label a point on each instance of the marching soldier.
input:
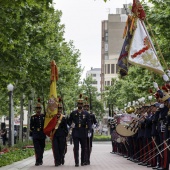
(58, 137)
(38, 136)
(90, 137)
(78, 120)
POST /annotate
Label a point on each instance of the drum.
(120, 139)
(124, 130)
(126, 118)
(116, 137)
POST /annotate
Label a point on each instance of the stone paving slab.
(101, 159)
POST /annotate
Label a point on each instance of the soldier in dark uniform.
(59, 134)
(90, 136)
(164, 162)
(167, 133)
(154, 135)
(143, 140)
(78, 119)
(38, 136)
(4, 135)
(112, 125)
(147, 136)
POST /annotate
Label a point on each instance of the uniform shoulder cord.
(56, 127)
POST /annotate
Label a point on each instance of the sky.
(82, 20)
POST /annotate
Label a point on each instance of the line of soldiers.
(150, 145)
(80, 121)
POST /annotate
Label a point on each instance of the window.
(108, 69)
(112, 68)
(108, 83)
(93, 75)
(106, 57)
(106, 37)
(117, 68)
(94, 82)
(106, 47)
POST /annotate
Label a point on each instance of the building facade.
(96, 75)
(111, 45)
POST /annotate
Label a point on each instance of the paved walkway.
(101, 159)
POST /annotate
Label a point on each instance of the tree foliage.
(93, 96)
(31, 36)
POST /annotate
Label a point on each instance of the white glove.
(73, 125)
(94, 126)
(161, 105)
(155, 85)
(30, 137)
(168, 74)
(165, 77)
(89, 134)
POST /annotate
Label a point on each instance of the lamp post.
(112, 110)
(90, 100)
(21, 118)
(10, 88)
(30, 98)
(109, 110)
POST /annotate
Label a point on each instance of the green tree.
(94, 99)
(32, 36)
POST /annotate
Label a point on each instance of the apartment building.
(96, 75)
(111, 45)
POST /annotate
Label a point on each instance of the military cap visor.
(79, 102)
(38, 107)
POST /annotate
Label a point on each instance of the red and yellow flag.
(52, 107)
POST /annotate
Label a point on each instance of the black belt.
(80, 125)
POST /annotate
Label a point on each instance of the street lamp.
(90, 101)
(112, 110)
(21, 118)
(10, 88)
(109, 110)
(30, 98)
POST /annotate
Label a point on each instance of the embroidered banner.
(142, 52)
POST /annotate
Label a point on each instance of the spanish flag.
(52, 107)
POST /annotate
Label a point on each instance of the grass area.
(18, 152)
(101, 138)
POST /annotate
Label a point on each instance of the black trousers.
(59, 145)
(4, 139)
(82, 142)
(39, 145)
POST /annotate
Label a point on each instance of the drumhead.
(124, 131)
